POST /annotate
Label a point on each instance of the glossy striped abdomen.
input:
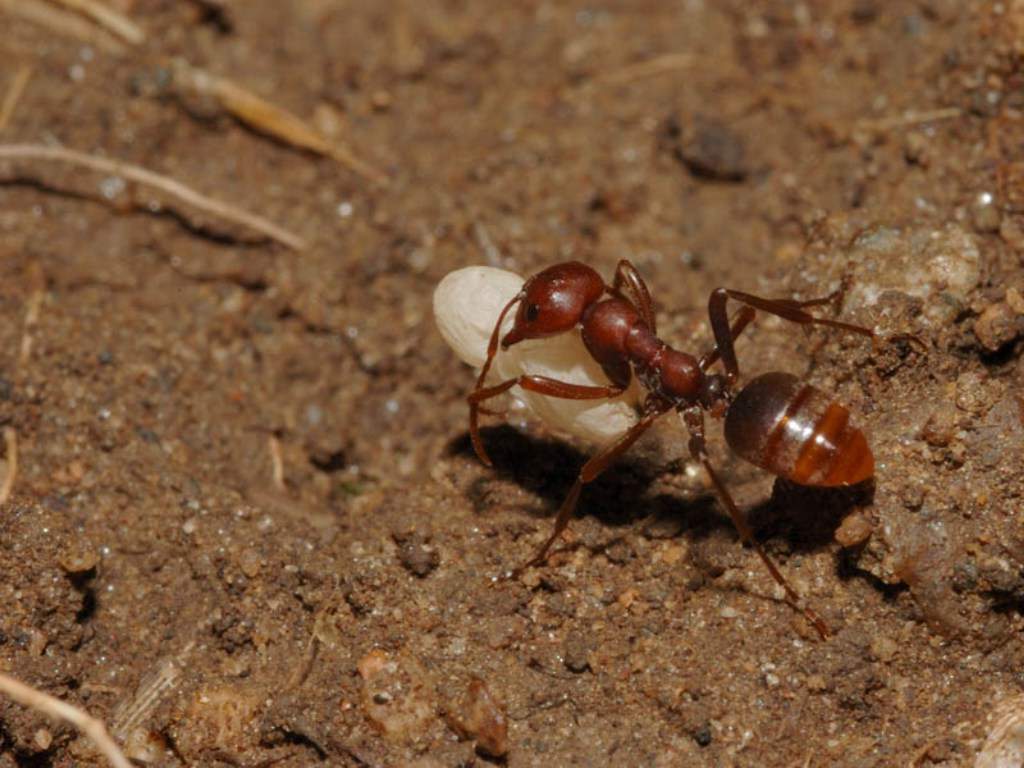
(796, 431)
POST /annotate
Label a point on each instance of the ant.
(775, 422)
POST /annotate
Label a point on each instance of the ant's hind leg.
(792, 310)
(743, 318)
(590, 471)
(694, 419)
(787, 309)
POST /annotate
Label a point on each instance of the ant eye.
(532, 312)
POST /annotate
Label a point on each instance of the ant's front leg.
(542, 385)
(589, 472)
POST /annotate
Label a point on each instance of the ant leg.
(743, 318)
(787, 309)
(694, 419)
(492, 344)
(592, 469)
(474, 407)
(542, 385)
(628, 277)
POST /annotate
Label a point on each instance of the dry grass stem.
(483, 238)
(60, 710)
(271, 120)
(659, 65)
(63, 23)
(11, 441)
(911, 117)
(277, 463)
(116, 23)
(165, 184)
(13, 95)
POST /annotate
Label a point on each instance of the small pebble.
(578, 646)
(79, 558)
(915, 148)
(481, 717)
(940, 427)
(997, 326)
(415, 555)
(37, 642)
(912, 496)
(43, 739)
(884, 648)
(703, 736)
(146, 746)
(864, 11)
(985, 213)
(249, 562)
(713, 151)
(816, 683)
(396, 695)
(855, 529)
(1015, 300)
(972, 394)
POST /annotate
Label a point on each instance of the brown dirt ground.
(341, 619)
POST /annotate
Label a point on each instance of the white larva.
(467, 303)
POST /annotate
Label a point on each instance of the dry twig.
(659, 65)
(277, 462)
(910, 117)
(165, 184)
(63, 23)
(270, 119)
(13, 95)
(61, 710)
(106, 17)
(11, 440)
(483, 238)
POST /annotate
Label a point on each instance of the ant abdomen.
(796, 431)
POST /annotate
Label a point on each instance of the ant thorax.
(665, 372)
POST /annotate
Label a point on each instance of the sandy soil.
(247, 527)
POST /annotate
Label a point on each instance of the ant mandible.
(776, 421)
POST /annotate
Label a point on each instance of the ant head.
(553, 301)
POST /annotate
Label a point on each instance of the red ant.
(776, 422)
